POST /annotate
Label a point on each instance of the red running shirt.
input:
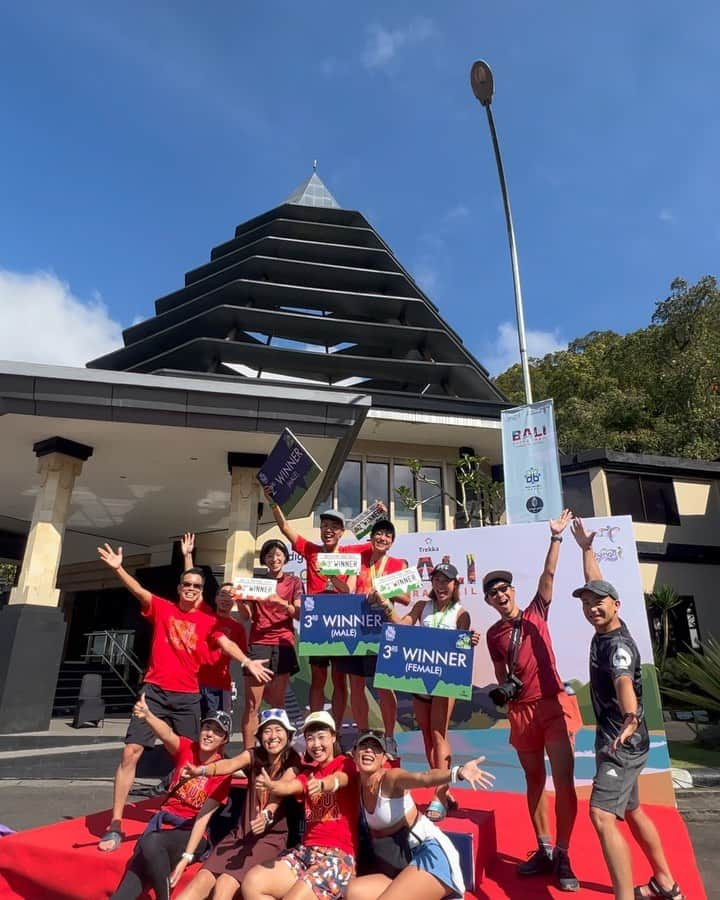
(179, 645)
(331, 820)
(316, 583)
(536, 665)
(271, 622)
(365, 578)
(216, 673)
(187, 799)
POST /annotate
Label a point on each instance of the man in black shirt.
(622, 742)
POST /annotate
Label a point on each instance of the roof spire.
(313, 193)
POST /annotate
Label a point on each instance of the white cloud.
(383, 44)
(666, 215)
(457, 213)
(43, 321)
(503, 351)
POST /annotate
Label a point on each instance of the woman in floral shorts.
(325, 861)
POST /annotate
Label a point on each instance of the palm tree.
(662, 600)
(703, 671)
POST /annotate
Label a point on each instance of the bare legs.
(359, 702)
(124, 777)
(388, 710)
(616, 852)
(433, 719)
(318, 677)
(411, 882)
(533, 763)
(562, 766)
(272, 693)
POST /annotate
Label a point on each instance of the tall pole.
(481, 81)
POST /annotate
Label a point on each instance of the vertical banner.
(533, 489)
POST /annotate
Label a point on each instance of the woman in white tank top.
(441, 609)
(430, 868)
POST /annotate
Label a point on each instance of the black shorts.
(356, 665)
(280, 658)
(322, 661)
(180, 711)
(615, 786)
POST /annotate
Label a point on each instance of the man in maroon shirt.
(543, 717)
(183, 635)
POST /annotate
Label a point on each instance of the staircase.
(118, 699)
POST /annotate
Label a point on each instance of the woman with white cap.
(325, 861)
(266, 825)
(409, 854)
(441, 609)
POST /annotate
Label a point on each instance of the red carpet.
(61, 862)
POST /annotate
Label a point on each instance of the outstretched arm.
(187, 546)
(584, 538)
(114, 559)
(197, 832)
(256, 667)
(160, 729)
(557, 526)
(222, 767)
(287, 529)
(399, 779)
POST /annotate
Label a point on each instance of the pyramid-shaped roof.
(309, 291)
(313, 193)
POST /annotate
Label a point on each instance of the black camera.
(507, 691)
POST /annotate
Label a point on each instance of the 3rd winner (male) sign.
(339, 625)
(435, 661)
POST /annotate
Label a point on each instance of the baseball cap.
(371, 736)
(274, 545)
(599, 587)
(497, 575)
(446, 569)
(220, 718)
(321, 718)
(333, 514)
(383, 525)
(274, 715)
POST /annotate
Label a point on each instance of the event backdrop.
(522, 550)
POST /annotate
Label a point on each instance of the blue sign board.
(339, 625)
(419, 660)
(289, 470)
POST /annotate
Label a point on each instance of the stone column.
(242, 524)
(32, 627)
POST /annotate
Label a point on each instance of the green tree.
(654, 390)
(662, 600)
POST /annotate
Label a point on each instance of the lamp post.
(481, 81)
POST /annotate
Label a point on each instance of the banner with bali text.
(533, 486)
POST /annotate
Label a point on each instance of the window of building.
(647, 498)
(362, 481)
(577, 494)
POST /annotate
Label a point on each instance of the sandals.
(114, 837)
(436, 811)
(656, 891)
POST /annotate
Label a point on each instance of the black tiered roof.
(310, 290)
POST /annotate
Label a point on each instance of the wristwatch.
(269, 816)
(189, 857)
(556, 539)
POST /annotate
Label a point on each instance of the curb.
(683, 779)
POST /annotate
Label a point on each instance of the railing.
(114, 648)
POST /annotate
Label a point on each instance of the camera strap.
(514, 645)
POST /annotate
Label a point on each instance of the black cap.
(274, 545)
(446, 569)
(383, 525)
(599, 587)
(498, 575)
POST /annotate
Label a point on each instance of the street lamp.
(481, 81)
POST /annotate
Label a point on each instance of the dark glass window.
(376, 475)
(577, 495)
(647, 498)
(349, 498)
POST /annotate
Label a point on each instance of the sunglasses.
(498, 589)
(271, 714)
(191, 585)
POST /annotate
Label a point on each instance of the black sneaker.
(538, 863)
(563, 872)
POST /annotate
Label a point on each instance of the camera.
(507, 691)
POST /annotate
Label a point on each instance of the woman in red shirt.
(272, 637)
(176, 835)
(325, 861)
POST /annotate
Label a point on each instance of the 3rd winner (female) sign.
(437, 661)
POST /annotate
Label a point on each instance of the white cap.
(320, 718)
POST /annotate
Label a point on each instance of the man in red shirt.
(183, 634)
(543, 717)
(375, 562)
(332, 528)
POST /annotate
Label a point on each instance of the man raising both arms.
(542, 716)
(622, 742)
(183, 635)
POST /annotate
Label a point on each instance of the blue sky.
(137, 135)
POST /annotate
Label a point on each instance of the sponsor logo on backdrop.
(534, 505)
(609, 554)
